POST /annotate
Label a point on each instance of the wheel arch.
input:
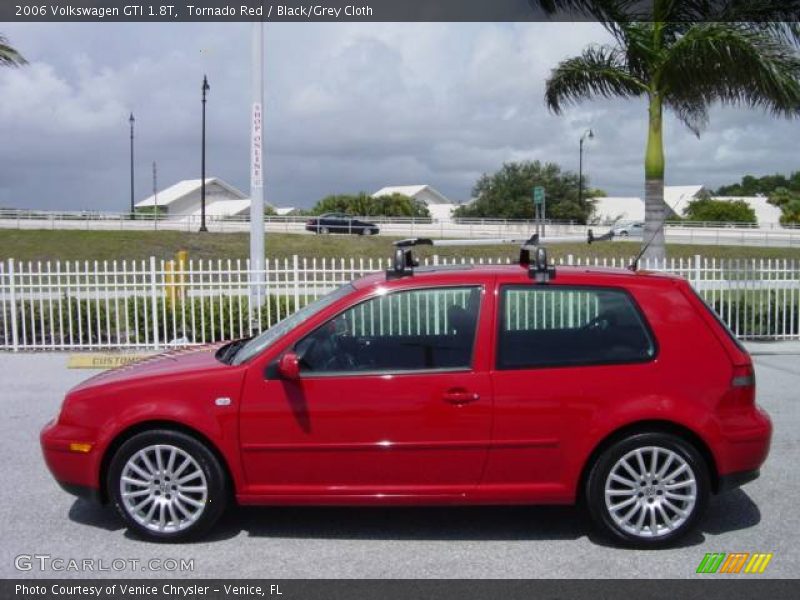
(649, 426)
(126, 434)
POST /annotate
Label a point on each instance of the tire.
(324, 230)
(676, 497)
(154, 511)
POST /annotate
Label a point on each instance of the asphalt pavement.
(38, 519)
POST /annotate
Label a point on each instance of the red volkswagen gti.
(461, 385)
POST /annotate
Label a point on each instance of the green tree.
(682, 55)
(362, 204)
(8, 56)
(720, 211)
(754, 186)
(789, 203)
(508, 193)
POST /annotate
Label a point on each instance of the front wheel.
(648, 490)
(167, 485)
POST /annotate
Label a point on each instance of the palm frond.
(734, 64)
(8, 56)
(599, 71)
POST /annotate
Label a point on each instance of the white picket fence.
(157, 304)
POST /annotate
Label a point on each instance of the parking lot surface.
(38, 519)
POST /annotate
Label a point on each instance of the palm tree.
(8, 56)
(682, 55)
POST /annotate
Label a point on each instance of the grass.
(44, 245)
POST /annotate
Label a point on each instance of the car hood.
(175, 362)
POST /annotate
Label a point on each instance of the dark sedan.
(340, 223)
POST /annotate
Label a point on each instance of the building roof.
(677, 197)
(225, 208)
(619, 208)
(412, 191)
(631, 208)
(184, 188)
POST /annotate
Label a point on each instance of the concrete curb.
(772, 348)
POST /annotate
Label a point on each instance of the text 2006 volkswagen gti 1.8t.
(469, 385)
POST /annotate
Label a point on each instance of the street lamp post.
(132, 121)
(590, 135)
(206, 87)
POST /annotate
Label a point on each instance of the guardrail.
(157, 303)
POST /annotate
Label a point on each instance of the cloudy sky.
(350, 106)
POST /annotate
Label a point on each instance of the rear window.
(552, 326)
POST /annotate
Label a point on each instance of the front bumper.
(75, 472)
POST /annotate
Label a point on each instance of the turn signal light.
(82, 447)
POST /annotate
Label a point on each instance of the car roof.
(465, 273)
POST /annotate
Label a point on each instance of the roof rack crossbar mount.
(532, 254)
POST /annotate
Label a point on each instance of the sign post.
(257, 177)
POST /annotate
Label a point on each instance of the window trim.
(481, 287)
(501, 302)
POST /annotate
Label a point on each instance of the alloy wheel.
(651, 492)
(163, 488)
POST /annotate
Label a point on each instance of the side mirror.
(289, 366)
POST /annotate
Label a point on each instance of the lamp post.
(131, 121)
(588, 134)
(206, 87)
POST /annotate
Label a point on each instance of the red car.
(451, 385)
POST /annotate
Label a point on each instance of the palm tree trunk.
(654, 207)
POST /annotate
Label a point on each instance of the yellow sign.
(102, 360)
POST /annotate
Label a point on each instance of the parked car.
(621, 391)
(340, 223)
(635, 229)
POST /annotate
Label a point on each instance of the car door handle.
(459, 396)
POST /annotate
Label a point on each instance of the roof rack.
(531, 252)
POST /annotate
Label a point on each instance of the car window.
(423, 329)
(561, 326)
(267, 337)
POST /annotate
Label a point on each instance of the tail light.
(742, 393)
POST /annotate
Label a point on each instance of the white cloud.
(350, 107)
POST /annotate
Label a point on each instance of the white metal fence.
(157, 303)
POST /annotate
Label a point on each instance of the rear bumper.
(731, 481)
(744, 447)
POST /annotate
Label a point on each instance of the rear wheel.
(324, 230)
(167, 485)
(648, 490)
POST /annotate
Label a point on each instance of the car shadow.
(726, 513)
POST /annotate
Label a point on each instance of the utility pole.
(132, 121)
(257, 174)
(155, 196)
(206, 87)
(590, 135)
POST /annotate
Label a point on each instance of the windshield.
(268, 337)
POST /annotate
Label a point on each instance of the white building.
(438, 205)
(766, 214)
(677, 198)
(183, 199)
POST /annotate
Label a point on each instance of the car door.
(393, 398)
(561, 352)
